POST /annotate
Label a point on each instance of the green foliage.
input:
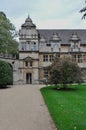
(67, 108)
(6, 74)
(8, 44)
(64, 71)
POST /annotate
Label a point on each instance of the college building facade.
(38, 47)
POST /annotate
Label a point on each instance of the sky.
(46, 14)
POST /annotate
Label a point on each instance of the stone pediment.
(28, 59)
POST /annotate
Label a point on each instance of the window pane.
(33, 46)
(45, 74)
(51, 58)
(55, 45)
(45, 58)
(23, 46)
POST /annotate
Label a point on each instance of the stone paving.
(22, 108)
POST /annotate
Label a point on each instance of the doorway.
(28, 78)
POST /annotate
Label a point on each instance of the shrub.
(6, 74)
(64, 71)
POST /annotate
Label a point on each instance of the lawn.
(67, 108)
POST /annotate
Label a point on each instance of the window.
(55, 45)
(23, 46)
(52, 49)
(74, 58)
(41, 45)
(45, 73)
(31, 63)
(51, 58)
(79, 58)
(33, 46)
(74, 45)
(26, 63)
(45, 58)
(48, 44)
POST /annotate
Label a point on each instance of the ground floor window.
(79, 58)
(51, 58)
(45, 73)
(45, 58)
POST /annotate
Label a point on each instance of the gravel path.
(23, 108)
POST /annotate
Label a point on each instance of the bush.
(64, 71)
(6, 74)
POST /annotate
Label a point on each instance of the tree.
(83, 10)
(8, 44)
(64, 71)
(6, 74)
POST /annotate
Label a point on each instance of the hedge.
(6, 74)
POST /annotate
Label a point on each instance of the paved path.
(23, 108)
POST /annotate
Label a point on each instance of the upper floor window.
(31, 64)
(26, 63)
(23, 44)
(41, 45)
(33, 46)
(55, 45)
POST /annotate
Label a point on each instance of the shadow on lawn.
(67, 89)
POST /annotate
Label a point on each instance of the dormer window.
(33, 46)
(42, 45)
(75, 45)
(42, 42)
(74, 40)
(55, 45)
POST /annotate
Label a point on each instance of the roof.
(28, 23)
(64, 34)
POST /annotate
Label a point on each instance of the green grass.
(67, 108)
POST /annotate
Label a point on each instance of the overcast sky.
(46, 14)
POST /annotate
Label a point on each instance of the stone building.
(38, 47)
